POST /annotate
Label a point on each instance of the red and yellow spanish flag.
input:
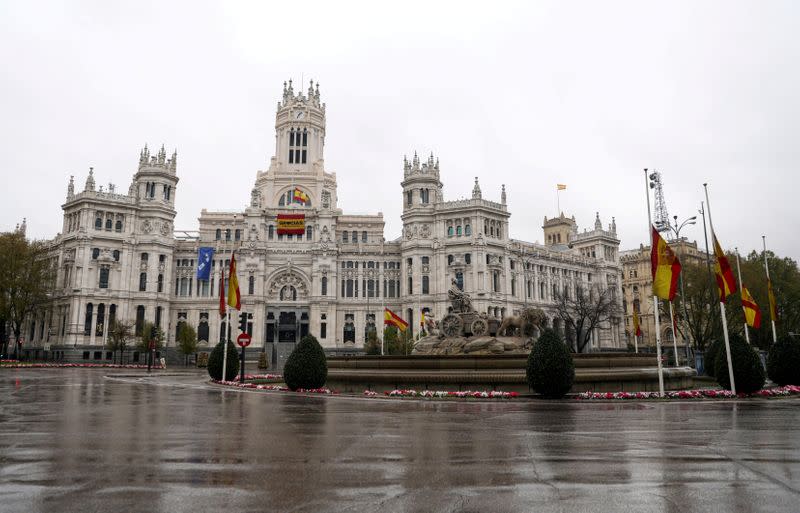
(291, 224)
(637, 329)
(299, 196)
(752, 315)
(234, 298)
(726, 283)
(665, 268)
(561, 187)
(389, 317)
(773, 305)
(222, 307)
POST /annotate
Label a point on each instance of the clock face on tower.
(299, 114)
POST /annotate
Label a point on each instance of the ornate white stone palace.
(119, 255)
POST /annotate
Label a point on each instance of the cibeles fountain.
(469, 350)
(465, 331)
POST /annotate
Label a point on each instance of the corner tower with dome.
(119, 257)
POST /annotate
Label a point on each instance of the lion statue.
(522, 325)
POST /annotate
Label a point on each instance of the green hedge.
(747, 369)
(307, 366)
(550, 370)
(710, 357)
(215, 362)
(783, 362)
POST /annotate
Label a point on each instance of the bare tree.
(585, 311)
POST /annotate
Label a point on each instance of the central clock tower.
(300, 130)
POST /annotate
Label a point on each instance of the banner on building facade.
(291, 224)
(204, 257)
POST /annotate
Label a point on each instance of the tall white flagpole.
(766, 268)
(721, 303)
(741, 287)
(674, 332)
(382, 277)
(655, 298)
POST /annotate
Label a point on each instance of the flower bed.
(691, 394)
(19, 365)
(263, 376)
(274, 388)
(444, 394)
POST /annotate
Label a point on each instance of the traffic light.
(243, 322)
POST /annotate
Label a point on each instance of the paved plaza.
(75, 440)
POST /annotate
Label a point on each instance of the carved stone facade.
(121, 251)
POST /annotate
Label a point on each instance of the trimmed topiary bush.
(215, 362)
(747, 369)
(783, 361)
(307, 366)
(550, 370)
(710, 357)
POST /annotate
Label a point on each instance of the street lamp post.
(677, 229)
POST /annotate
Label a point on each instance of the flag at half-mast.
(637, 329)
(752, 315)
(234, 298)
(665, 268)
(222, 307)
(773, 305)
(395, 320)
(726, 283)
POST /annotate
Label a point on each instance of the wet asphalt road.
(73, 440)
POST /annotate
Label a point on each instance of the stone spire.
(597, 224)
(476, 190)
(90, 180)
(71, 187)
(503, 195)
(613, 226)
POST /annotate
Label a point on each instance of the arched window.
(460, 280)
(467, 230)
(364, 236)
(237, 235)
(449, 259)
(116, 255)
(144, 257)
(101, 320)
(449, 231)
(98, 223)
(251, 285)
(109, 223)
(95, 253)
(103, 277)
(354, 237)
(458, 230)
(161, 283)
(344, 236)
(87, 324)
(271, 232)
(139, 319)
(142, 282)
(425, 285)
(228, 234)
(218, 234)
(309, 232)
(202, 331)
(324, 285)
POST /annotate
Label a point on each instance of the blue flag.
(204, 256)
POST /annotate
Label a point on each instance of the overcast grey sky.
(527, 94)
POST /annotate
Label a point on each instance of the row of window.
(457, 232)
(150, 191)
(370, 264)
(103, 219)
(353, 236)
(370, 288)
(298, 141)
(424, 197)
(237, 234)
(493, 229)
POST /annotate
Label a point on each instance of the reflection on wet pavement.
(74, 440)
